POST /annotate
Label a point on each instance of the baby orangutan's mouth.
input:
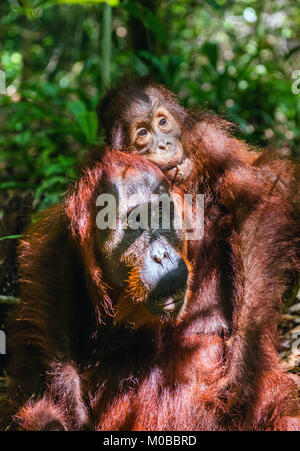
(167, 304)
(181, 171)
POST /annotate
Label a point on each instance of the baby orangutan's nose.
(165, 145)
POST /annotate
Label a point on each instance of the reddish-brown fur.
(218, 368)
(252, 227)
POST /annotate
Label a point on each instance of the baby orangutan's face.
(154, 133)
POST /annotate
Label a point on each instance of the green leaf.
(77, 2)
(77, 108)
(152, 22)
(48, 184)
(23, 138)
(89, 125)
(87, 120)
(155, 61)
(53, 169)
(10, 237)
(15, 185)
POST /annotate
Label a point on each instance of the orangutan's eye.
(143, 132)
(163, 122)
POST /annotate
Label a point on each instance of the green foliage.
(239, 58)
(87, 120)
(149, 20)
(82, 2)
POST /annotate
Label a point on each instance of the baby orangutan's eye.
(163, 122)
(143, 132)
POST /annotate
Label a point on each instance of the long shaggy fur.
(74, 366)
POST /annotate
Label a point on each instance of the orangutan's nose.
(163, 269)
(165, 144)
(158, 254)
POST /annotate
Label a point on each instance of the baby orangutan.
(145, 118)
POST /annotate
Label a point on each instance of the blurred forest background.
(241, 58)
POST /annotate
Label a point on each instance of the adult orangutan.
(133, 329)
(70, 320)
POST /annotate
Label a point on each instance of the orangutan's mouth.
(169, 167)
(179, 172)
(170, 303)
